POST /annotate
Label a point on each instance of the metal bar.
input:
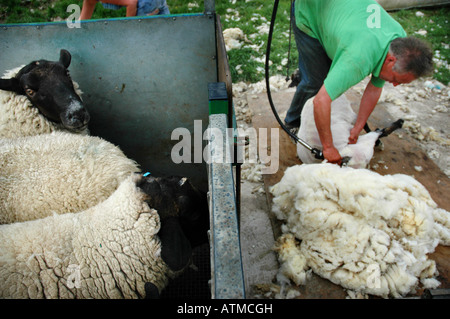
(227, 278)
(436, 294)
(210, 6)
(223, 67)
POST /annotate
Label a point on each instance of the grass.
(253, 17)
(436, 24)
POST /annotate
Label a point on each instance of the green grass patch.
(28, 11)
(435, 22)
(254, 19)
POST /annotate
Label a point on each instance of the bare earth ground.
(423, 104)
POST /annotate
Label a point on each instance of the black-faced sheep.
(40, 98)
(184, 214)
(78, 225)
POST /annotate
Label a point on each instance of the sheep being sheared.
(57, 173)
(342, 120)
(41, 98)
(366, 232)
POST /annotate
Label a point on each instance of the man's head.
(408, 59)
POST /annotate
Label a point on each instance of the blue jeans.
(144, 7)
(314, 64)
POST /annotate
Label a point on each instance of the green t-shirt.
(355, 35)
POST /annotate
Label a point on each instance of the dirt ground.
(423, 104)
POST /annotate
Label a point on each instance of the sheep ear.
(12, 85)
(65, 58)
(176, 250)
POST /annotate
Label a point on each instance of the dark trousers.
(314, 64)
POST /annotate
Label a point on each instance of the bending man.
(340, 42)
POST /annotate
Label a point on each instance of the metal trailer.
(143, 78)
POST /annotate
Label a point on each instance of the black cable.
(289, 48)
(317, 153)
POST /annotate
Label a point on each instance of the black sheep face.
(49, 87)
(176, 197)
(184, 216)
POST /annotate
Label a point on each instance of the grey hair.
(413, 55)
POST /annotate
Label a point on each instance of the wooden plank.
(400, 155)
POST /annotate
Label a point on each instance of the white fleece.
(18, 117)
(367, 232)
(57, 173)
(107, 251)
(342, 120)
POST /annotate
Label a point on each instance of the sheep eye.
(30, 92)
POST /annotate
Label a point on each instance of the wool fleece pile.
(366, 232)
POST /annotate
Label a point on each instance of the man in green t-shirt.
(340, 42)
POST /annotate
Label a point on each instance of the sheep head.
(48, 86)
(183, 211)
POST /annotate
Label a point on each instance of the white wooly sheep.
(367, 232)
(57, 173)
(342, 120)
(107, 251)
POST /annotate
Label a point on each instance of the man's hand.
(368, 102)
(322, 112)
(331, 154)
(354, 134)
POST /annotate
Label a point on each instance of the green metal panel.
(218, 99)
(141, 78)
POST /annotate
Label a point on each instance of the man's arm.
(322, 117)
(369, 100)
